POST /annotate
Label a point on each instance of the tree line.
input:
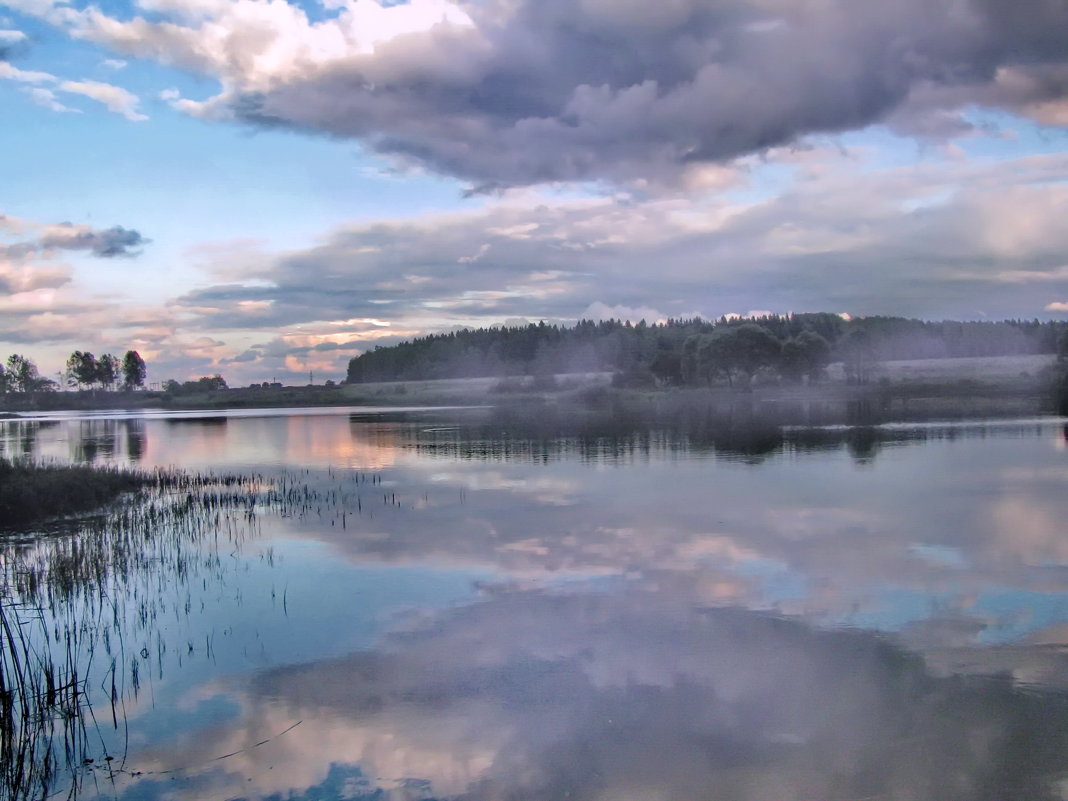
(19, 374)
(85, 371)
(695, 351)
(205, 383)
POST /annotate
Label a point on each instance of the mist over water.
(487, 605)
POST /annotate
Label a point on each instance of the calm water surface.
(463, 605)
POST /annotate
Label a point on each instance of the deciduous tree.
(133, 370)
(107, 370)
(82, 369)
(22, 375)
(804, 355)
(740, 351)
(858, 356)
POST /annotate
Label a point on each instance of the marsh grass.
(31, 492)
(80, 608)
(84, 602)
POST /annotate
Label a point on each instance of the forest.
(693, 352)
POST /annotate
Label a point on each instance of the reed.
(82, 606)
(71, 601)
(31, 492)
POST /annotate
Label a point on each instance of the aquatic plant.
(30, 492)
(82, 605)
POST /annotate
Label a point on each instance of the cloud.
(47, 99)
(10, 41)
(19, 279)
(932, 239)
(1057, 306)
(482, 251)
(939, 239)
(625, 694)
(45, 239)
(115, 98)
(323, 347)
(601, 311)
(10, 73)
(509, 93)
(31, 274)
(102, 243)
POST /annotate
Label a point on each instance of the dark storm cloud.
(105, 244)
(102, 243)
(249, 355)
(568, 90)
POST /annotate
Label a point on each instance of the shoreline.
(1010, 385)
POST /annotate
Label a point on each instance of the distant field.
(988, 369)
(464, 389)
(978, 368)
(442, 386)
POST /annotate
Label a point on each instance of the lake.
(470, 604)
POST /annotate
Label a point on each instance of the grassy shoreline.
(32, 493)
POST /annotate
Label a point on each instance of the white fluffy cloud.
(10, 73)
(115, 98)
(47, 99)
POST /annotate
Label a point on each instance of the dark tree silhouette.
(858, 356)
(669, 351)
(133, 370)
(82, 369)
(805, 355)
(740, 352)
(202, 384)
(22, 374)
(107, 370)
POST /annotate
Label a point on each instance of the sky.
(266, 188)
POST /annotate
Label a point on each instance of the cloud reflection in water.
(634, 694)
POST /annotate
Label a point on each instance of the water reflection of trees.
(95, 439)
(135, 439)
(18, 438)
(742, 432)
